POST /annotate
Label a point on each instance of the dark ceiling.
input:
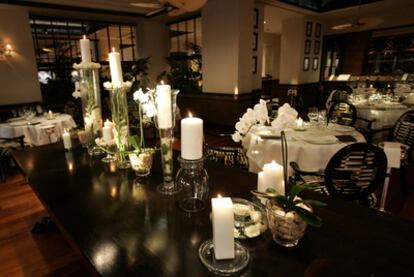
(326, 5)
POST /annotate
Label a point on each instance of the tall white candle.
(192, 138)
(85, 47)
(164, 106)
(115, 67)
(67, 142)
(223, 227)
(273, 177)
(260, 182)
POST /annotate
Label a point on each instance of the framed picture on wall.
(316, 47)
(256, 18)
(315, 64)
(308, 28)
(318, 30)
(255, 40)
(306, 64)
(307, 46)
(254, 69)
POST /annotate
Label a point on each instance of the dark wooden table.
(122, 226)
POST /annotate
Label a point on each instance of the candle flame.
(190, 114)
(113, 49)
(84, 37)
(236, 90)
(162, 82)
(219, 196)
(114, 192)
(8, 46)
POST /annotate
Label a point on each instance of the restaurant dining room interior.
(206, 138)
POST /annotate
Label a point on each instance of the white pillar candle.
(273, 177)
(164, 106)
(107, 134)
(260, 182)
(67, 142)
(223, 227)
(115, 67)
(192, 138)
(85, 47)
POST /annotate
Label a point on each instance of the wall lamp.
(5, 50)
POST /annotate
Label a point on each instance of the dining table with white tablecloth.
(311, 148)
(383, 115)
(39, 130)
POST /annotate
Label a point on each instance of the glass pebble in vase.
(141, 162)
(119, 110)
(287, 227)
(193, 179)
(91, 104)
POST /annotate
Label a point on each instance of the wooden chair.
(353, 173)
(7, 145)
(230, 156)
(343, 112)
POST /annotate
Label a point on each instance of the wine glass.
(313, 115)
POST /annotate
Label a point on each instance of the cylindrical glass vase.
(168, 186)
(119, 109)
(193, 179)
(91, 104)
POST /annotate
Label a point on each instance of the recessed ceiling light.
(342, 26)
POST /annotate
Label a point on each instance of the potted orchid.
(252, 117)
(141, 157)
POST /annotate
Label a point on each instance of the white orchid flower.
(236, 137)
(149, 109)
(242, 127)
(140, 96)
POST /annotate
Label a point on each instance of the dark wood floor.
(48, 254)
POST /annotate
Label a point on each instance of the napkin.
(393, 152)
(328, 139)
(286, 116)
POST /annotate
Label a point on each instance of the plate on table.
(250, 219)
(267, 132)
(340, 128)
(322, 140)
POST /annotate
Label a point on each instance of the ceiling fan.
(173, 7)
(358, 22)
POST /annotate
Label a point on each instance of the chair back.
(356, 171)
(230, 156)
(344, 113)
(403, 130)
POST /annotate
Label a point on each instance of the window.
(58, 40)
(185, 36)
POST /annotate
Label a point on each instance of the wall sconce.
(5, 50)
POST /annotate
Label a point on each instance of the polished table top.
(123, 227)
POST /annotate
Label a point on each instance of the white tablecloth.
(35, 133)
(384, 116)
(310, 157)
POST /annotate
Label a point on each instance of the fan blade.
(147, 5)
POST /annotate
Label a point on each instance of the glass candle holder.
(193, 179)
(141, 163)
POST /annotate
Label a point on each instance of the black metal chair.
(7, 145)
(343, 113)
(353, 173)
(230, 156)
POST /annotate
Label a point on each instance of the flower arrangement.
(257, 115)
(293, 204)
(146, 110)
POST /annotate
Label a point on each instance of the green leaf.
(314, 203)
(284, 202)
(164, 149)
(295, 190)
(134, 142)
(308, 217)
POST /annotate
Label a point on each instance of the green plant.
(291, 202)
(139, 74)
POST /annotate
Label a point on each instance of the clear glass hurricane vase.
(91, 106)
(119, 109)
(193, 179)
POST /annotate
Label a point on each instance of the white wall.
(292, 52)
(153, 41)
(227, 46)
(271, 46)
(18, 74)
